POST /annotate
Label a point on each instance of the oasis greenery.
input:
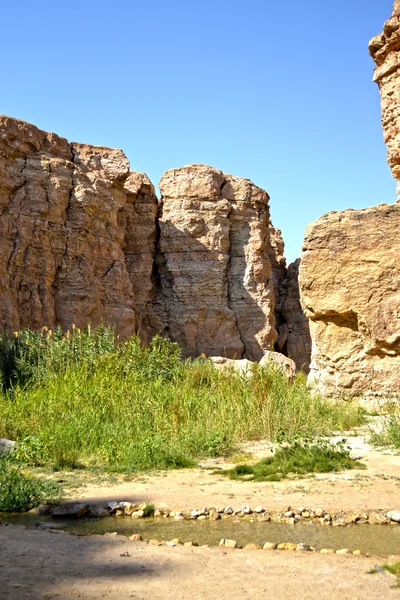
(86, 399)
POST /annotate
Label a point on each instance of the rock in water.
(349, 279)
(385, 50)
(220, 263)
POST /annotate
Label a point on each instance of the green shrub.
(20, 492)
(390, 434)
(300, 457)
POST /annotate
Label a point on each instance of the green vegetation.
(393, 569)
(300, 458)
(81, 399)
(390, 434)
(20, 492)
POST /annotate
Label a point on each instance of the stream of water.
(379, 540)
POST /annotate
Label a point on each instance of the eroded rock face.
(78, 233)
(84, 240)
(350, 289)
(220, 263)
(385, 50)
(296, 326)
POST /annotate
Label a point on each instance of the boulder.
(244, 367)
(70, 510)
(7, 446)
(281, 362)
(349, 282)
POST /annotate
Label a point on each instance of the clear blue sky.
(279, 92)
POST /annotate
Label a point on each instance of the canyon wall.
(350, 267)
(78, 233)
(85, 240)
(385, 50)
(350, 289)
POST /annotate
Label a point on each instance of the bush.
(390, 434)
(20, 492)
(300, 457)
(82, 399)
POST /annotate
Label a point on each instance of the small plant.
(148, 510)
(20, 492)
(300, 458)
(390, 434)
(393, 569)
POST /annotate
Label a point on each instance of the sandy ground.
(46, 564)
(376, 488)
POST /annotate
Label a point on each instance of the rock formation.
(295, 331)
(350, 289)
(78, 233)
(84, 240)
(220, 263)
(385, 50)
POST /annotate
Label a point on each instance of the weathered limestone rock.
(78, 233)
(350, 289)
(385, 50)
(281, 362)
(297, 327)
(220, 263)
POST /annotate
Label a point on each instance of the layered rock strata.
(350, 289)
(84, 240)
(295, 331)
(220, 263)
(78, 232)
(385, 50)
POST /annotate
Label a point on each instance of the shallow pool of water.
(379, 540)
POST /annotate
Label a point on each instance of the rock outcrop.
(220, 263)
(78, 233)
(350, 289)
(296, 325)
(385, 50)
(85, 240)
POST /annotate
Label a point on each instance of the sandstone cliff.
(220, 263)
(78, 234)
(84, 240)
(350, 288)
(385, 50)
(296, 325)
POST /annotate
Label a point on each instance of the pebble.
(318, 512)
(327, 551)
(270, 546)
(228, 543)
(228, 510)
(303, 548)
(246, 510)
(394, 515)
(287, 546)
(259, 509)
(252, 547)
(343, 551)
(136, 537)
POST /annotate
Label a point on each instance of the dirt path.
(40, 565)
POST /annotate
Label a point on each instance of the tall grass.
(82, 399)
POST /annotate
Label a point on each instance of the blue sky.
(279, 92)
